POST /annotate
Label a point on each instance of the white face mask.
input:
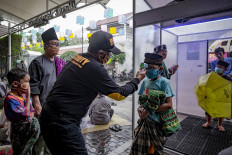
(218, 70)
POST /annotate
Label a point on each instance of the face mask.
(152, 73)
(53, 50)
(218, 70)
(103, 60)
(21, 88)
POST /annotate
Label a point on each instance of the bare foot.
(206, 125)
(221, 128)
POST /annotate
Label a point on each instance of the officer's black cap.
(101, 40)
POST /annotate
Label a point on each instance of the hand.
(142, 113)
(3, 125)
(140, 74)
(173, 69)
(170, 71)
(28, 93)
(38, 109)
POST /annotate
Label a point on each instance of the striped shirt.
(15, 109)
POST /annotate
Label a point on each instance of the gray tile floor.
(105, 141)
(108, 142)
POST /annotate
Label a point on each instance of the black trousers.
(62, 135)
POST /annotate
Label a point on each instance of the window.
(224, 43)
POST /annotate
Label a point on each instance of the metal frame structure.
(181, 10)
(185, 9)
(60, 10)
(43, 18)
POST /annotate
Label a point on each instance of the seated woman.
(100, 111)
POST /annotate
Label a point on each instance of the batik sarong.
(148, 133)
(24, 135)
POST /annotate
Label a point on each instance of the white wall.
(171, 42)
(206, 36)
(192, 61)
(146, 38)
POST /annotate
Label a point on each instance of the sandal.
(221, 129)
(115, 127)
(206, 127)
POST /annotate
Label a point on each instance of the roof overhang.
(27, 13)
(187, 9)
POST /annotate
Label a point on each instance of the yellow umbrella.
(214, 95)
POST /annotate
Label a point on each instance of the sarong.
(148, 133)
(24, 135)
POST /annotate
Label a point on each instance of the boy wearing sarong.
(19, 111)
(153, 81)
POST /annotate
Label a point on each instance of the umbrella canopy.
(214, 95)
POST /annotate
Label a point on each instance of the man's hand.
(36, 104)
(142, 113)
(141, 74)
(38, 109)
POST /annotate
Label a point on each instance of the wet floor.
(106, 141)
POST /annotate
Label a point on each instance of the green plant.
(117, 58)
(39, 49)
(68, 55)
(16, 40)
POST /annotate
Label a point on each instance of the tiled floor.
(105, 141)
(108, 142)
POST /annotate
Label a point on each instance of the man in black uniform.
(77, 86)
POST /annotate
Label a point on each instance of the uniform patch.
(79, 61)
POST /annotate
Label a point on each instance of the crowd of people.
(46, 104)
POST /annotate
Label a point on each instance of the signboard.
(113, 30)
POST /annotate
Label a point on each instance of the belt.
(54, 113)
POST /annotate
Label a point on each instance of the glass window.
(224, 43)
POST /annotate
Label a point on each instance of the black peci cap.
(160, 48)
(223, 63)
(153, 58)
(102, 41)
(49, 34)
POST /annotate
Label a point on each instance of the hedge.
(68, 55)
(117, 58)
(16, 40)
